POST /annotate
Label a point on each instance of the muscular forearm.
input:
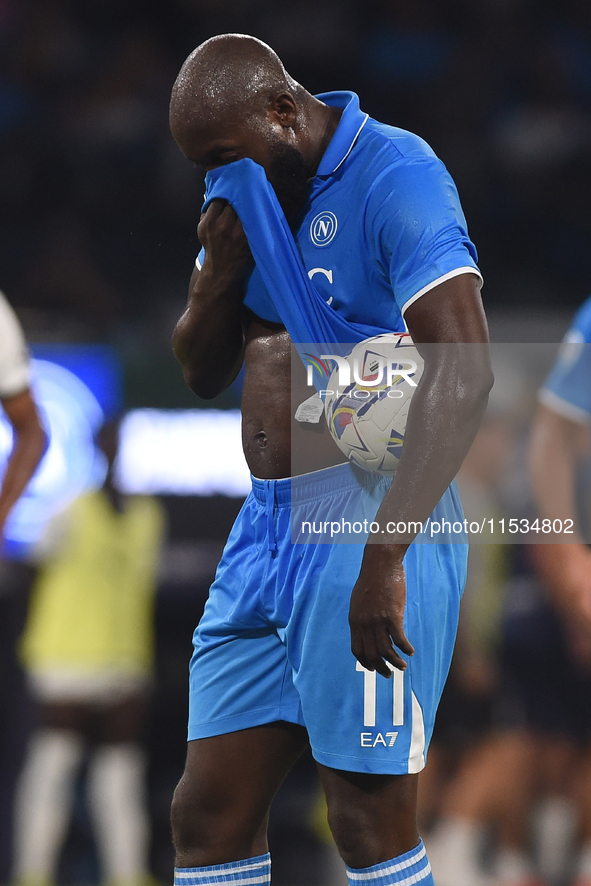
(446, 411)
(443, 419)
(208, 339)
(445, 414)
(554, 445)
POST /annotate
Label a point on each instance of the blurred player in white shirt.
(27, 450)
(20, 409)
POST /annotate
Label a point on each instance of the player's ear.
(283, 110)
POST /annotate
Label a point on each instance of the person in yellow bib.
(88, 651)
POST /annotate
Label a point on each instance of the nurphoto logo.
(380, 373)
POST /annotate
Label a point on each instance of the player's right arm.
(208, 340)
(557, 443)
(29, 440)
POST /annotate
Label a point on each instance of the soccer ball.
(367, 400)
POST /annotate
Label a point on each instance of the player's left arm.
(29, 446)
(449, 328)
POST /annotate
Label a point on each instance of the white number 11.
(370, 695)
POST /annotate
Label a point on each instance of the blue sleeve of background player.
(567, 390)
(419, 227)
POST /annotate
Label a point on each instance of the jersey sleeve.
(567, 389)
(14, 356)
(423, 237)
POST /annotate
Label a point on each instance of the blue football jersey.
(383, 223)
(567, 390)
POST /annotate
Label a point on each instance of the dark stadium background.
(99, 211)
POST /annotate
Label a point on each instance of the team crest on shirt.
(323, 228)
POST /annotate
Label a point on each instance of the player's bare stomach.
(275, 445)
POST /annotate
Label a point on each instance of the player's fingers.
(229, 216)
(358, 648)
(373, 653)
(219, 217)
(207, 222)
(216, 207)
(388, 653)
(213, 212)
(399, 638)
(223, 225)
(229, 226)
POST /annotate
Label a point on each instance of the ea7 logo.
(372, 740)
(323, 228)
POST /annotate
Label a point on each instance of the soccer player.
(87, 649)
(20, 410)
(297, 639)
(559, 458)
(559, 446)
(29, 444)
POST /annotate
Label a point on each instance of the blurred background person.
(477, 760)
(506, 812)
(560, 467)
(28, 444)
(517, 810)
(510, 812)
(465, 712)
(88, 652)
(20, 409)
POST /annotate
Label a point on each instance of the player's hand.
(376, 613)
(227, 253)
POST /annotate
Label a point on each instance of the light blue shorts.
(274, 644)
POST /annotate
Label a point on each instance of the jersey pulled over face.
(381, 225)
(223, 142)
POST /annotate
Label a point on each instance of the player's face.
(211, 147)
(219, 144)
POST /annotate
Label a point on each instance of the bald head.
(231, 73)
(233, 99)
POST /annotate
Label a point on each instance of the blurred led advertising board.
(162, 452)
(182, 452)
(75, 387)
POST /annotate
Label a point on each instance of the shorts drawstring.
(270, 503)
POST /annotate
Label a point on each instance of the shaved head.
(228, 73)
(233, 99)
